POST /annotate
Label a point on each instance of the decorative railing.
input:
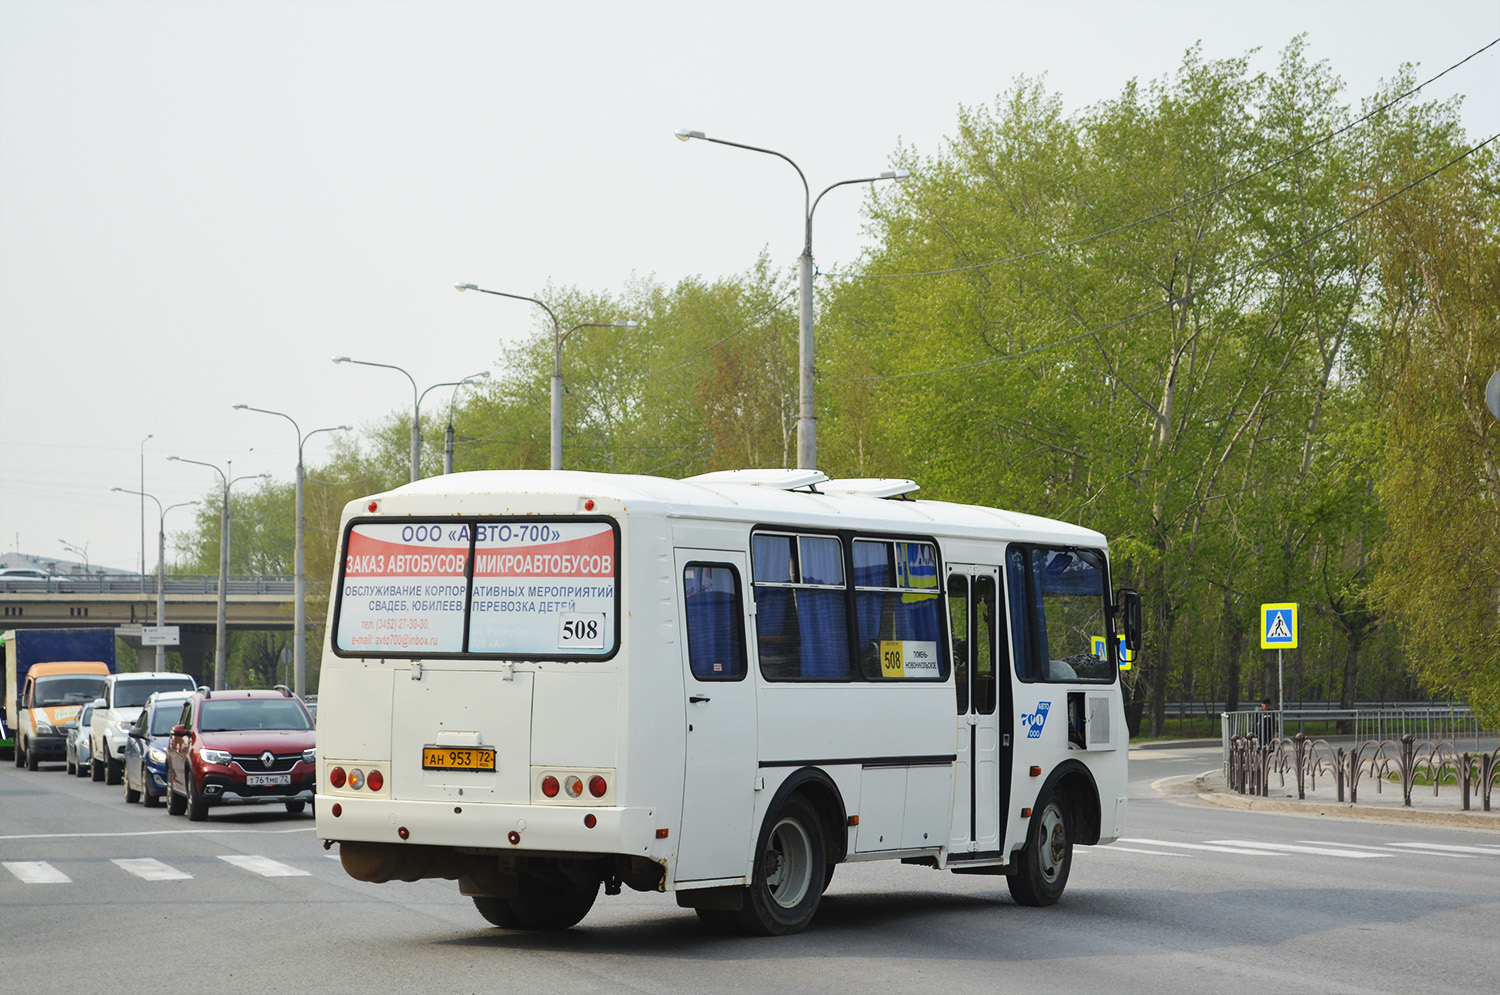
(1406, 762)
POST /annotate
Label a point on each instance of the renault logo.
(268, 759)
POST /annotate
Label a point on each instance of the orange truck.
(50, 675)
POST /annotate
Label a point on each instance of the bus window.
(800, 616)
(985, 625)
(1057, 608)
(716, 641)
(958, 622)
(897, 610)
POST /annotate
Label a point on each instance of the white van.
(124, 695)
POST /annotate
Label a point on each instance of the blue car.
(145, 757)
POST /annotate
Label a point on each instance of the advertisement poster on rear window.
(544, 588)
(404, 589)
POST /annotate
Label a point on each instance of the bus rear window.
(534, 589)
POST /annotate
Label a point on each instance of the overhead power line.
(1171, 301)
(1059, 246)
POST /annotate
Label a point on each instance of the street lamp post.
(161, 559)
(416, 412)
(299, 625)
(148, 438)
(448, 433)
(807, 422)
(82, 551)
(558, 338)
(221, 629)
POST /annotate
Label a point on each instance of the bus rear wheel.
(544, 898)
(1041, 871)
(790, 868)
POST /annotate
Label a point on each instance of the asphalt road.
(96, 896)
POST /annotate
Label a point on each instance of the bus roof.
(755, 497)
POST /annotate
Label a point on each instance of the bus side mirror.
(1128, 607)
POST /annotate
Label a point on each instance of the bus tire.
(790, 868)
(1041, 871)
(498, 912)
(550, 903)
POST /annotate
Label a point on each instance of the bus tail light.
(574, 786)
(375, 781)
(598, 786)
(590, 821)
(337, 777)
(550, 787)
(356, 779)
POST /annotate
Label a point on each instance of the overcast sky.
(201, 202)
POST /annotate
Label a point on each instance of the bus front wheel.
(790, 868)
(1041, 870)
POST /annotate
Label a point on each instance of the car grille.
(251, 763)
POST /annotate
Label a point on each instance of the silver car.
(76, 746)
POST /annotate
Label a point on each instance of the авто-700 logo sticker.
(1035, 720)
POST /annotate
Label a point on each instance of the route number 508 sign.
(581, 630)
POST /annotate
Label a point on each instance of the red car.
(241, 746)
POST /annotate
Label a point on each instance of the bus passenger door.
(982, 771)
(718, 784)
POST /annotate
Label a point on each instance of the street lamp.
(558, 337)
(416, 413)
(82, 551)
(221, 631)
(299, 626)
(448, 435)
(807, 423)
(161, 558)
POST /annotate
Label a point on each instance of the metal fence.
(283, 585)
(1450, 722)
(1251, 763)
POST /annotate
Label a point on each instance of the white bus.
(539, 683)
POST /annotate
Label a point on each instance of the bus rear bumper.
(523, 829)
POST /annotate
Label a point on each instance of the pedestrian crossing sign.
(1278, 626)
(1125, 657)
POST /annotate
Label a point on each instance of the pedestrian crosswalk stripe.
(1248, 849)
(1325, 851)
(1117, 848)
(150, 869)
(36, 872)
(264, 866)
(1445, 848)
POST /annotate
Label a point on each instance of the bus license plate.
(262, 780)
(458, 758)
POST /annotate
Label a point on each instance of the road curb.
(1346, 810)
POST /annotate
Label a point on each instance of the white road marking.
(1115, 847)
(264, 866)
(1324, 851)
(150, 869)
(1246, 848)
(1445, 848)
(36, 872)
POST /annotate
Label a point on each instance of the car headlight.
(122, 724)
(220, 757)
(310, 756)
(43, 728)
(158, 755)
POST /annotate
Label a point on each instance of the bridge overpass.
(123, 601)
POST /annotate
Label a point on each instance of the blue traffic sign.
(1278, 626)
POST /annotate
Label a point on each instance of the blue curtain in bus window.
(872, 568)
(775, 623)
(821, 619)
(1016, 581)
(715, 651)
(1069, 573)
(917, 616)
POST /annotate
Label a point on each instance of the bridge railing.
(173, 584)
